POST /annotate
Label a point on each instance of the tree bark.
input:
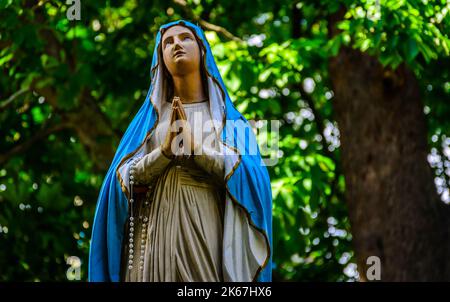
(395, 212)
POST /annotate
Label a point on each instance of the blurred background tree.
(361, 89)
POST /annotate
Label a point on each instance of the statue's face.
(181, 52)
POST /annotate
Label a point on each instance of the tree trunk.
(395, 212)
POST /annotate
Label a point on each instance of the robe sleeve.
(211, 161)
(150, 166)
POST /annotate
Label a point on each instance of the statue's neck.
(189, 88)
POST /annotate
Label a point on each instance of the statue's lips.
(178, 54)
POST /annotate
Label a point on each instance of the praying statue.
(187, 196)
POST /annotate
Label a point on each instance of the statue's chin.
(183, 66)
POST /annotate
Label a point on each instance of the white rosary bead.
(131, 230)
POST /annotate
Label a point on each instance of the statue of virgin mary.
(190, 202)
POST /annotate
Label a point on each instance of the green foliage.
(399, 31)
(277, 69)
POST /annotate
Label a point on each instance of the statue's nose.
(177, 42)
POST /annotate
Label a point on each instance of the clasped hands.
(172, 145)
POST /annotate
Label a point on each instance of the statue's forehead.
(175, 29)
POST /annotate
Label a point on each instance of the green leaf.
(5, 59)
(38, 116)
(411, 50)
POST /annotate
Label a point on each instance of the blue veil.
(246, 180)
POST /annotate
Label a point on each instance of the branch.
(11, 99)
(87, 99)
(207, 25)
(333, 19)
(21, 148)
(43, 2)
(296, 17)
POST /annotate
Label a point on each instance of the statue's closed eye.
(168, 41)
